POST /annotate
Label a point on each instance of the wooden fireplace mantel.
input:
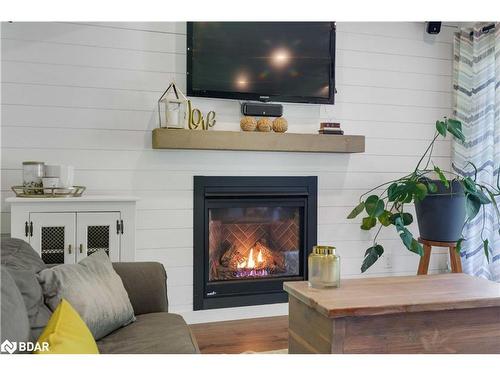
(256, 141)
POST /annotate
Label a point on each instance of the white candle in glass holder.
(173, 111)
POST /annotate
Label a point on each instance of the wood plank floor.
(238, 336)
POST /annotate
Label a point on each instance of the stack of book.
(330, 128)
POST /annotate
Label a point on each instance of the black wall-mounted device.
(262, 109)
(433, 27)
(262, 61)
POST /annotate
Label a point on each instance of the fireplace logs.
(257, 260)
(253, 242)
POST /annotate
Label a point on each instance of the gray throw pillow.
(94, 289)
(23, 263)
(15, 325)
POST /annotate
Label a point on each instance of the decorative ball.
(264, 125)
(280, 125)
(248, 124)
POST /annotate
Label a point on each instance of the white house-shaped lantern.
(174, 104)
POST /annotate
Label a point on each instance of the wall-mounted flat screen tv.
(266, 61)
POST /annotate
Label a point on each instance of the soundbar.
(262, 109)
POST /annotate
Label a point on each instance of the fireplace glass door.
(254, 241)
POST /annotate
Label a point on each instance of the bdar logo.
(9, 347)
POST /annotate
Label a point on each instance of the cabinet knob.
(81, 248)
(69, 249)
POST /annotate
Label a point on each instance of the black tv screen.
(266, 61)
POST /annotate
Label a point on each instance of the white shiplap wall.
(85, 94)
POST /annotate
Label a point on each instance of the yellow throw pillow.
(66, 333)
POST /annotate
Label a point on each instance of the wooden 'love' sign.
(196, 119)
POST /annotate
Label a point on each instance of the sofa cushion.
(146, 285)
(15, 325)
(155, 333)
(19, 254)
(23, 262)
(38, 313)
(93, 288)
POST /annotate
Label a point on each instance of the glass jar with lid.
(32, 177)
(324, 267)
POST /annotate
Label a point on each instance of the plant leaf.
(374, 206)
(417, 247)
(474, 167)
(486, 250)
(441, 176)
(406, 218)
(420, 191)
(455, 128)
(454, 123)
(459, 245)
(482, 197)
(385, 218)
(357, 210)
(408, 198)
(493, 200)
(472, 206)
(432, 187)
(407, 238)
(371, 256)
(469, 185)
(403, 192)
(392, 192)
(368, 223)
(441, 128)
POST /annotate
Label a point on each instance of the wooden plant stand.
(423, 266)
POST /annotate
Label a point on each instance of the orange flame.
(250, 263)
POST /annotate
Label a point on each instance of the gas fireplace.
(250, 235)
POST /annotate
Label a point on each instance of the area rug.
(279, 351)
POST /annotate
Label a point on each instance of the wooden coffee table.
(447, 313)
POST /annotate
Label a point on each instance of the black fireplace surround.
(250, 235)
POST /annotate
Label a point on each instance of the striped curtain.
(476, 89)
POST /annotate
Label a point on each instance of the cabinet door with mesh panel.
(53, 236)
(98, 231)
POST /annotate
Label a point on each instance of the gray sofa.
(156, 331)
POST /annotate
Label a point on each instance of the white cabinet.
(98, 231)
(66, 230)
(52, 235)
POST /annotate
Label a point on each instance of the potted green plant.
(443, 204)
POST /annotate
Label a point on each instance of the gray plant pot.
(441, 215)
